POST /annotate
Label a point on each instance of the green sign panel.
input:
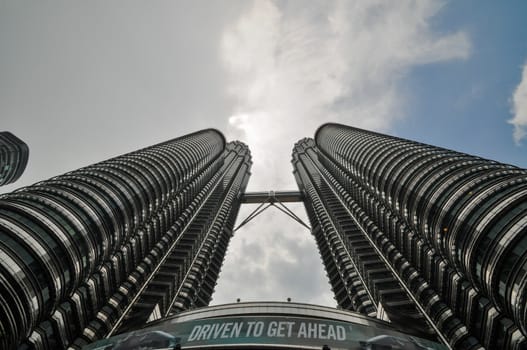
(272, 330)
(267, 330)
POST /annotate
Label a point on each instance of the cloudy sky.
(84, 81)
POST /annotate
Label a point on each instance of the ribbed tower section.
(118, 243)
(13, 157)
(448, 231)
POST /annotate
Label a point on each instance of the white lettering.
(258, 328)
(236, 329)
(211, 329)
(271, 329)
(322, 331)
(331, 332)
(302, 333)
(226, 330)
(281, 329)
(203, 332)
(194, 333)
(311, 330)
(341, 333)
(249, 328)
(218, 330)
(290, 328)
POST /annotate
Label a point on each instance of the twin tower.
(430, 240)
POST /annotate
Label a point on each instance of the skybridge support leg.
(272, 199)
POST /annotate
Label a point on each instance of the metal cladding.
(127, 240)
(445, 232)
(13, 157)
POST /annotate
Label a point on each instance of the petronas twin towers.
(430, 240)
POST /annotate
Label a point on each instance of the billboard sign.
(264, 330)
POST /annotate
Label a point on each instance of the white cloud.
(272, 258)
(294, 66)
(519, 108)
